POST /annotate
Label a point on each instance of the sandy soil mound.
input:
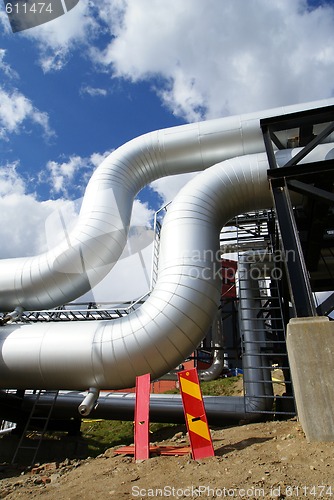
(261, 460)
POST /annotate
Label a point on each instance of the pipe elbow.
(13, 316)
(89, 402)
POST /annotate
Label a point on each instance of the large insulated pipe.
(120, 406)
(257, 374)
(217, 365)
(89, 251)
(167, 328)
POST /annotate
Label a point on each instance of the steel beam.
(299, 283)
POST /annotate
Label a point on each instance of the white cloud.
(53, 59)
(4, 22)
(222, 57)
(142, 215)
(10, 181)
(97, 158)
(93, 91)
(58, 38)
(111, 13)
(168, 187)
(29, 226)
(130, 278)
(204, 59)
(15, 109)
(23, 216)
(61, 174)
(5, 67)
(69, 178)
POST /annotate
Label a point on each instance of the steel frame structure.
(303, 180)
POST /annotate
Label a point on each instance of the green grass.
(103, 434)
(220, 387)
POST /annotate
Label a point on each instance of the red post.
(194, 412)
(142, 408)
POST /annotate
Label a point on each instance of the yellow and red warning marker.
(194, 412)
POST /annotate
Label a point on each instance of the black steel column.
(299, 282)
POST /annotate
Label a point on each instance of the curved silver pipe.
(90, 250)
(168, 327)
(13, 316)
(217, 365)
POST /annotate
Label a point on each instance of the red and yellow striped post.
(194, 412)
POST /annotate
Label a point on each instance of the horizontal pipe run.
(163, 407)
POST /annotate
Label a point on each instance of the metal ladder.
(158, 219)
(262, 313)
(39, 419)
(262, 332)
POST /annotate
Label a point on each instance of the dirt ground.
(259, 460)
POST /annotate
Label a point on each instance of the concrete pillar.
(310, 345)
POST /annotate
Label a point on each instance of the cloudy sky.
(74, 89)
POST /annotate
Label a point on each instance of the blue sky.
(78, 87)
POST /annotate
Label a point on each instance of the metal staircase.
(260, 312)
(158, 218)
(263, 343)
(38, 422)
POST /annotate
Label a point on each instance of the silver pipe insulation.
(13, 315)
(88, 252)
(8, 428)
(257, 376)
(217, 365)
(168, 327)
(89, 402)
(251, 327)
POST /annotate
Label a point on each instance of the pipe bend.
(168, 327)
(217, 365)
(88, 252)
(89, 402)
(12, 316)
